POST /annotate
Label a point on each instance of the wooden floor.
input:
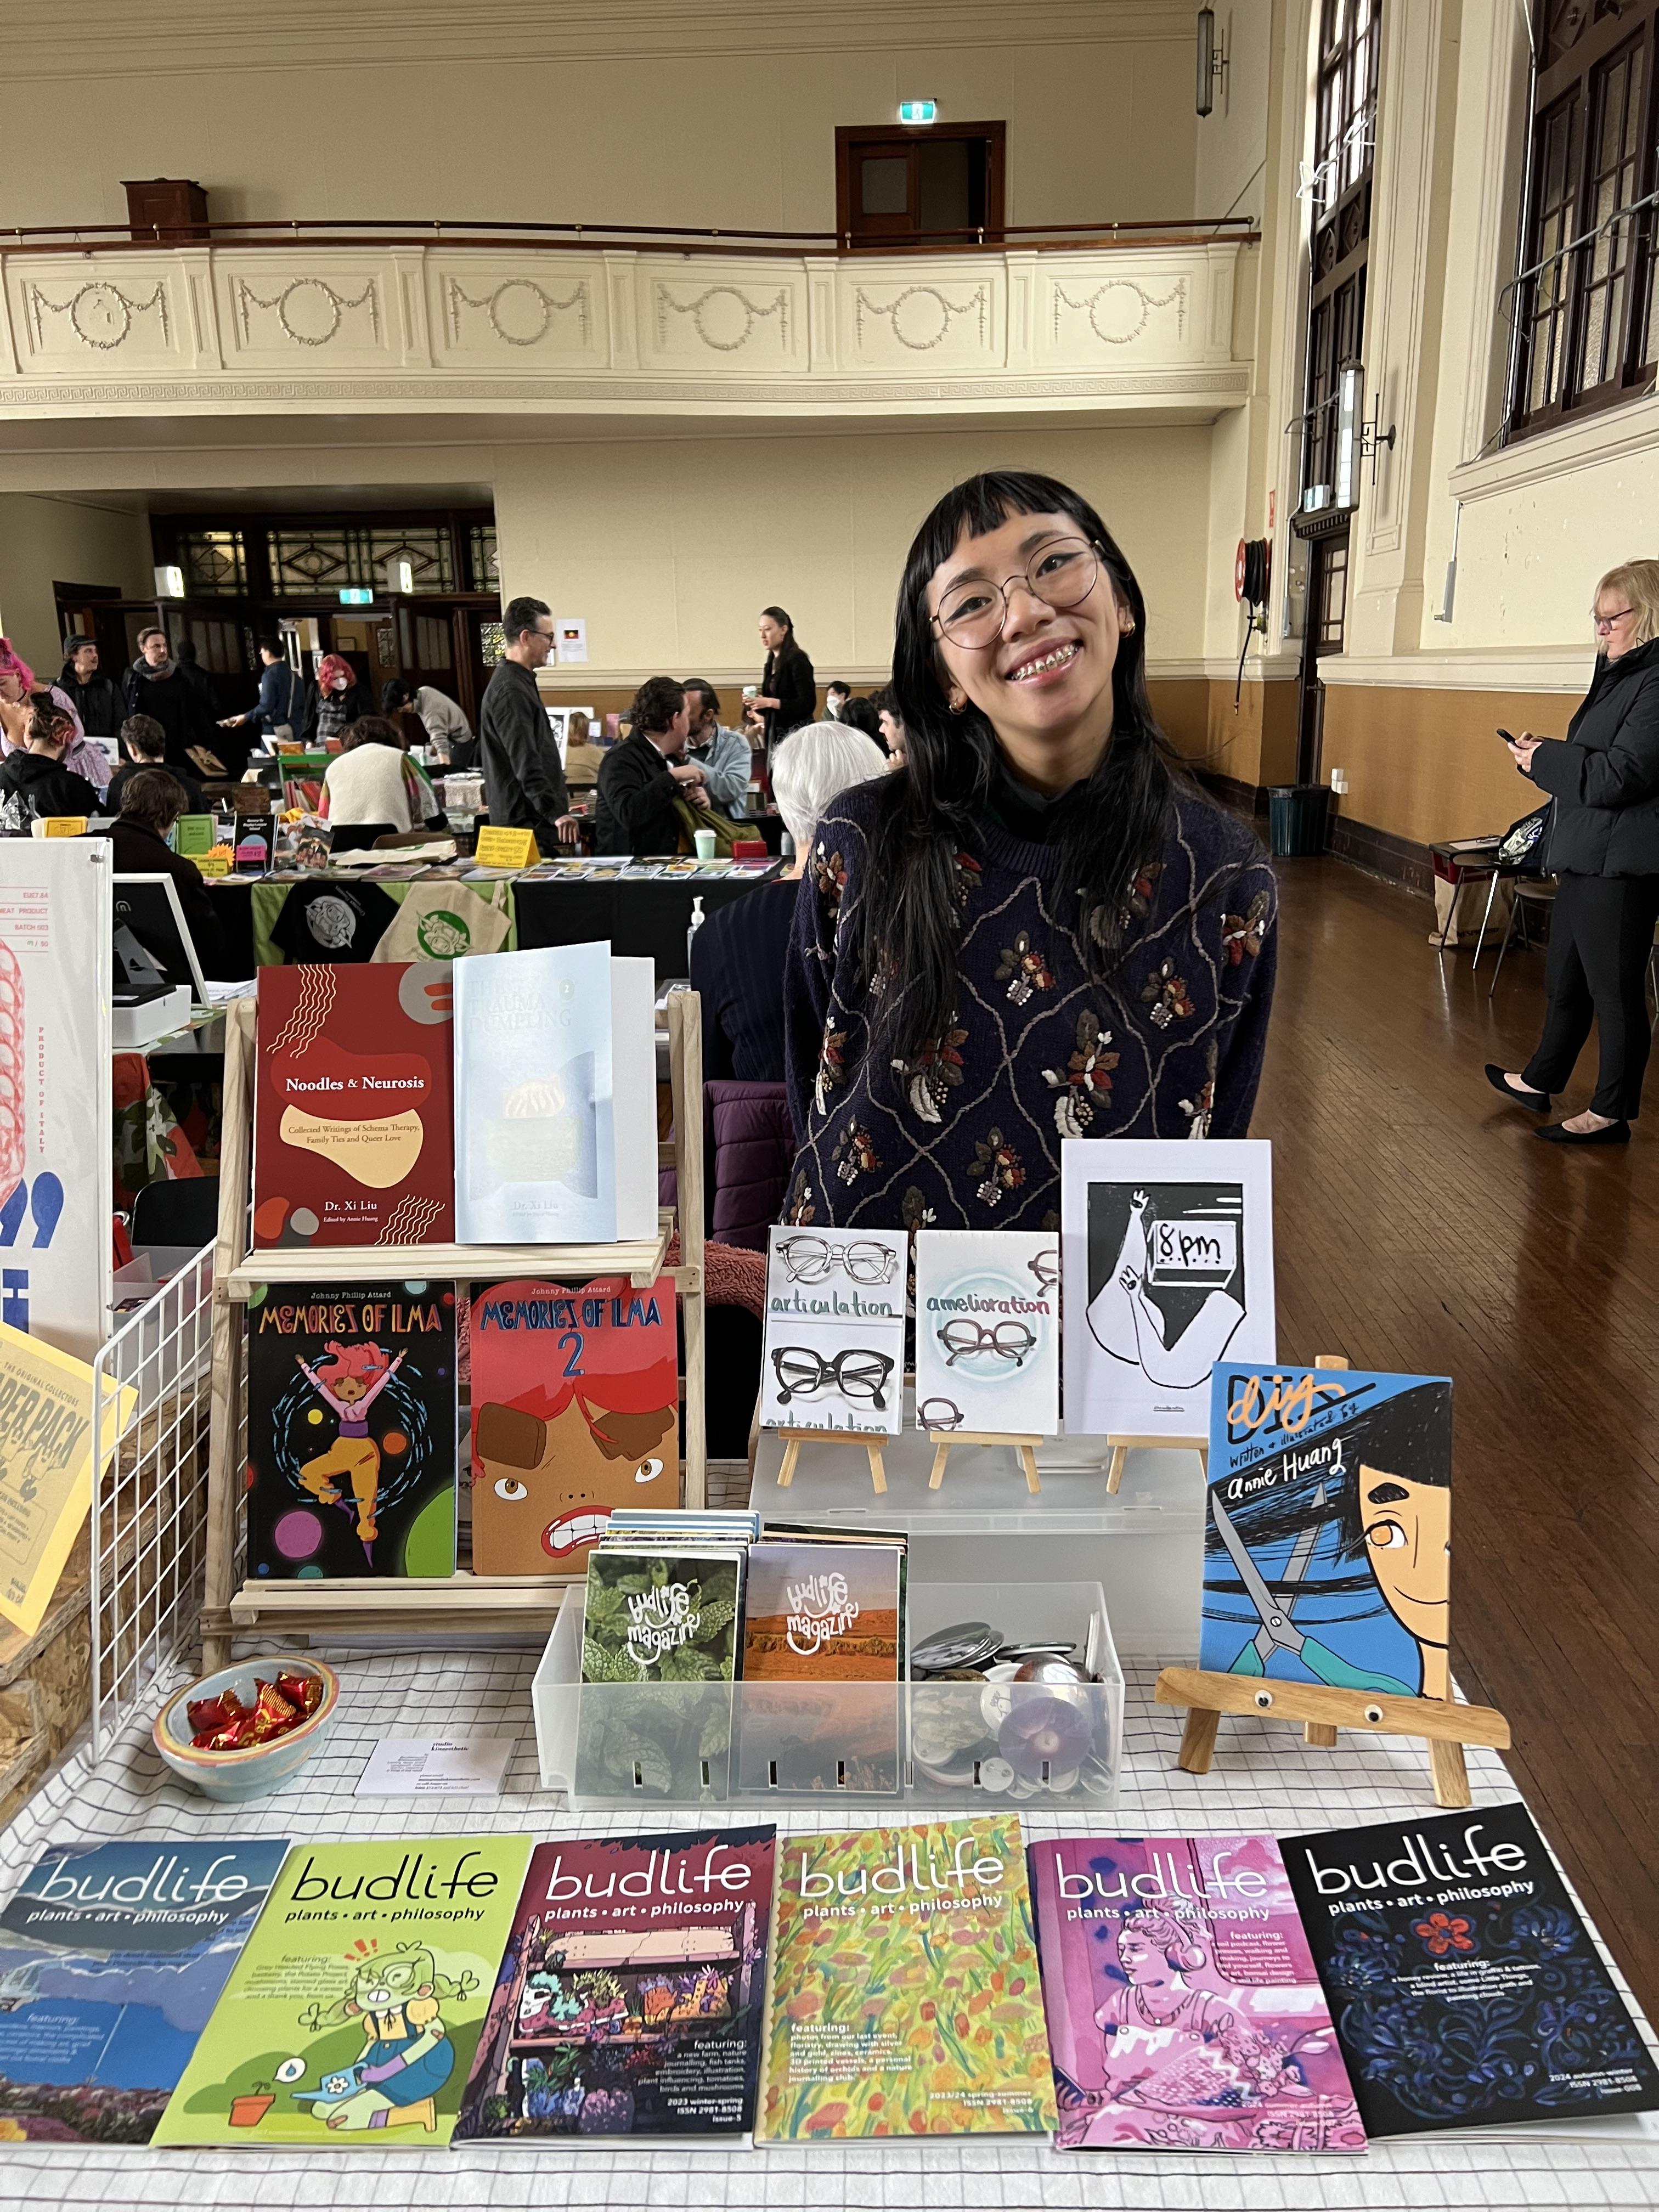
(1420, 1226)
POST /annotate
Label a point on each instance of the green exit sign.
(918, 110)
(356, 595)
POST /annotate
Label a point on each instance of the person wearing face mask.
(1038, 931)
(337, 701)
(155, 685)
(1601, 843)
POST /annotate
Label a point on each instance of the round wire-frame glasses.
(1062, 573)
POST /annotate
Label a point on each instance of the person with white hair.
(737, 956)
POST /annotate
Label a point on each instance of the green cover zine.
(905, 1998)
(661, 1615)
(351, 2019)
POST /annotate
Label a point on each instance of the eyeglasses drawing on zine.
(802, 1373)
(1045, 1265)
(813, 1259)
(968, 1340)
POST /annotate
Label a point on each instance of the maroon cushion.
(751, 1151)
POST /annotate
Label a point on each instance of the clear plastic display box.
(944, 1744)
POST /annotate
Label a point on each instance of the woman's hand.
(1523, 748)
(765, 705)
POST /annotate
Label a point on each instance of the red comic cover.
(575, 1411)
(353, 1105)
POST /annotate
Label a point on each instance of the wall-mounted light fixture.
(918, 110)
(169, 582)
(400, 574)
(1212, 60)
(1357, 440)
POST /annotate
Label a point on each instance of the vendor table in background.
(645, 916)
(642, 917)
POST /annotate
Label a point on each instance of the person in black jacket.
(151, 802)
(524, 777)
(34, 783)
(284, 703)
(156, 686)
(640, 779)
(1602, 842)
(788, 692)
(144, 742)
(93, 697)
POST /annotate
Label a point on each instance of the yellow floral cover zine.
(905, 1996)
(45, 1466)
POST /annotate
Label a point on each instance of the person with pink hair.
(338, 700)
(21, 693)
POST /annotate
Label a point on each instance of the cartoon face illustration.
(351, 1371)
(551, 1486)
(1407, 1531)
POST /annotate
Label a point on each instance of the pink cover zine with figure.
(1184, 2011)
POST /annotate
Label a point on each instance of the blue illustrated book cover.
(1465, 1989)
(1327, 1537)
(111, 1961)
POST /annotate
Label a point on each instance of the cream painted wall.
(645, 124)
(45, 541)
(670, 550)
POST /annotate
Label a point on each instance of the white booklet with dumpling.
(556, 1098)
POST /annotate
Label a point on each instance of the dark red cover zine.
(353, 1105)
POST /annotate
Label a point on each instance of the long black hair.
(781, 653)
(907, 937)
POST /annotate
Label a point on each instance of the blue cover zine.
(111, 1961)
(1327, 1539)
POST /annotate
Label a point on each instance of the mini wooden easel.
(1122, 1446)
(1445, 1725)
(794, 1438)
(1024, 1449)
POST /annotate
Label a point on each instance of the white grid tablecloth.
(1264, 1780)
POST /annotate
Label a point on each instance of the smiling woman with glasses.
(1041, 929)
(1601, 842)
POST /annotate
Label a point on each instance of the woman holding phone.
(1601, 842)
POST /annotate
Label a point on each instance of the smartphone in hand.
(1507, 736)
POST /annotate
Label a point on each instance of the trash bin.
(1296, 819)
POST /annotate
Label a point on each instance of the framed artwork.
(833, 1355)
(988, 1331)
(1168, 1268)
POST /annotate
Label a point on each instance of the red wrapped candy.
(303, 1691)
(225, 1724)
(207, 1714)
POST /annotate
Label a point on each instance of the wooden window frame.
(1553, 306)
(1339, 248)
(850, 137)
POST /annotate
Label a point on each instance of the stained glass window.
(213, 561)
(485, 558)
(303, 562)
(492, 642)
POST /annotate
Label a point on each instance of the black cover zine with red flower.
(1466, 1989)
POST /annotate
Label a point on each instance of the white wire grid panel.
(149, 1501)
(1265, 1778)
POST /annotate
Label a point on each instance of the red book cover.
(353, 1105)
(575, 1411)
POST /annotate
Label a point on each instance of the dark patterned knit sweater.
(968, 1133)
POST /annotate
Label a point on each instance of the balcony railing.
(578, 237)
(447, 317)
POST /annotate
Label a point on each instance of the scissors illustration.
(1278, 1632)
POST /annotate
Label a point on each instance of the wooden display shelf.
(641, 1260)
(471, 1604)
(462, 1604)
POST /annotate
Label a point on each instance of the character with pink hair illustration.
(348, 1381)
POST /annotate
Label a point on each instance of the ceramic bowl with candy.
(247, 1728)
